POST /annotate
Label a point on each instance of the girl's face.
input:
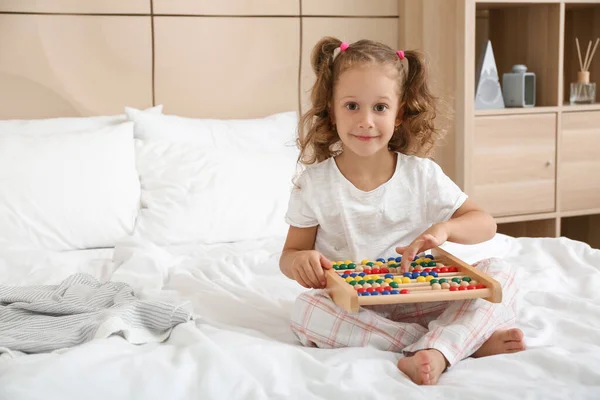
(365, 108)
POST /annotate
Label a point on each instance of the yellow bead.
(340, 262)
(388, 280)
(364, 262)
(333, 264)
(398, 279)
(376, 277)
(421, 279)
(428, 278)
(349, 279)
(378, 263)
(406, 279)
(348, 262)
(391, 262)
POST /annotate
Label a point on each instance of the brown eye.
(380, 107)
(352, 106)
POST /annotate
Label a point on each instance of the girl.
(365, 190)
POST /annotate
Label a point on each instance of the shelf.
(585, 228)
(534, 228)
(483, 4)
(517, 111)
(525, 217)
(580, 107)
(582, 21)
(525, 33)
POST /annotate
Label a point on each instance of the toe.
(514, 334)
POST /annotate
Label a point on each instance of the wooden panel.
(585, 228)
(67, 66)
(579, 183)
(227, 7)
(513, 167)
(529, 35)
(384, 30)
(77, 6)
(539, 228)
(220, 78)
(350, 7)
(582, 23)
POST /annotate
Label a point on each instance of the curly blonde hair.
(416, 135)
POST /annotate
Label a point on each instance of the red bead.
(436, 269)
(452, 269)
(384, 271)
(370, 289)
(379, 289)
(443, 270)
(471, 287)
(367, 270)
(404, 291)
(453, 288)
(375, 271)
(388, 288)
(427, 270)
(462, 288)
(361, 290)
(480, 286)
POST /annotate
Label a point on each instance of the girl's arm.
(300, 262)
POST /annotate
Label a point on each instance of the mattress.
(239, 345)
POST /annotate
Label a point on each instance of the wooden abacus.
(347, 297)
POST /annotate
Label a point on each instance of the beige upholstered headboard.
(199, 58)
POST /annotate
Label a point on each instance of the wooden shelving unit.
(537, 170)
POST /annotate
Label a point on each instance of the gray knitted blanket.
(35, 319)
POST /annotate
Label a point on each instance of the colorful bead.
(429, 256)
(391, 259)
(421, 279)
(464, 284)
(366, 285)
(436, 286)
(406, 280)
(424, 273)
(351, 265)
(399, 259)
(380, 281)
(457, 280)
(428, 278)
(453, 288)
(431, 264)
(480, 286)
(357, 286)
(389, 276)
(404, 291)
(370, 263)
(381, 260)
(364, 262)
(394, 292)
(433, 281)
(443, 280)
(466, 279)
(394, 284)
(445, 285)
(384, 270)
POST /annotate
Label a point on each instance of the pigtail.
(417, 134)
(316, 132)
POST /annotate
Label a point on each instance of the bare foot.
(424, 367)
(501, 342)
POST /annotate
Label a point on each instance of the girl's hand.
(308, 269)
(432, 237)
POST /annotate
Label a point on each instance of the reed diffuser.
(583, 91)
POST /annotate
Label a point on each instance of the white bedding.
(240, 346)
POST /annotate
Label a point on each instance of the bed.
(183, 199)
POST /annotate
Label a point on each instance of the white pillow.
(275, 133)
(210, 181)
(36, 127)
(191, 194)
(68, 191)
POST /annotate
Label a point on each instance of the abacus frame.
(346, 297)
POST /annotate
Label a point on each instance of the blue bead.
(429, 256)
(416, 258)
(385, 292)
(362, 274)
(415, 275)
(381, 259)
(374, 293)
(365, 294)
(392, 259)
(398, 259)
(395, 291)
(424, 273)
(390, 276)
(346, 276)
(434, 274)
(354, 274)
(408, 274)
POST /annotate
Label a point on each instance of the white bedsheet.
(240, 346)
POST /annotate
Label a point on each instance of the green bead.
(457, 280)
(370, 263)
(361, 282)
(351, 266)
(424, 264)
(433, 281)
(342, 266)
(352, 283)
(370, 281)
(394, 284)
(380, 281)
(336, 267)
(431, 264)
(413, 264)
(443, 280)
(466, 279)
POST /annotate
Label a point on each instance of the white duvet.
(240, 346)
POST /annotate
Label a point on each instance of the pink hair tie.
(344, 46)
(400, 54)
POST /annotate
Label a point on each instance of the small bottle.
(582, 91)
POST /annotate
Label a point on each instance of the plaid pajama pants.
(455, 328)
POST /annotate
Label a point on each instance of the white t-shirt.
(358, 225)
